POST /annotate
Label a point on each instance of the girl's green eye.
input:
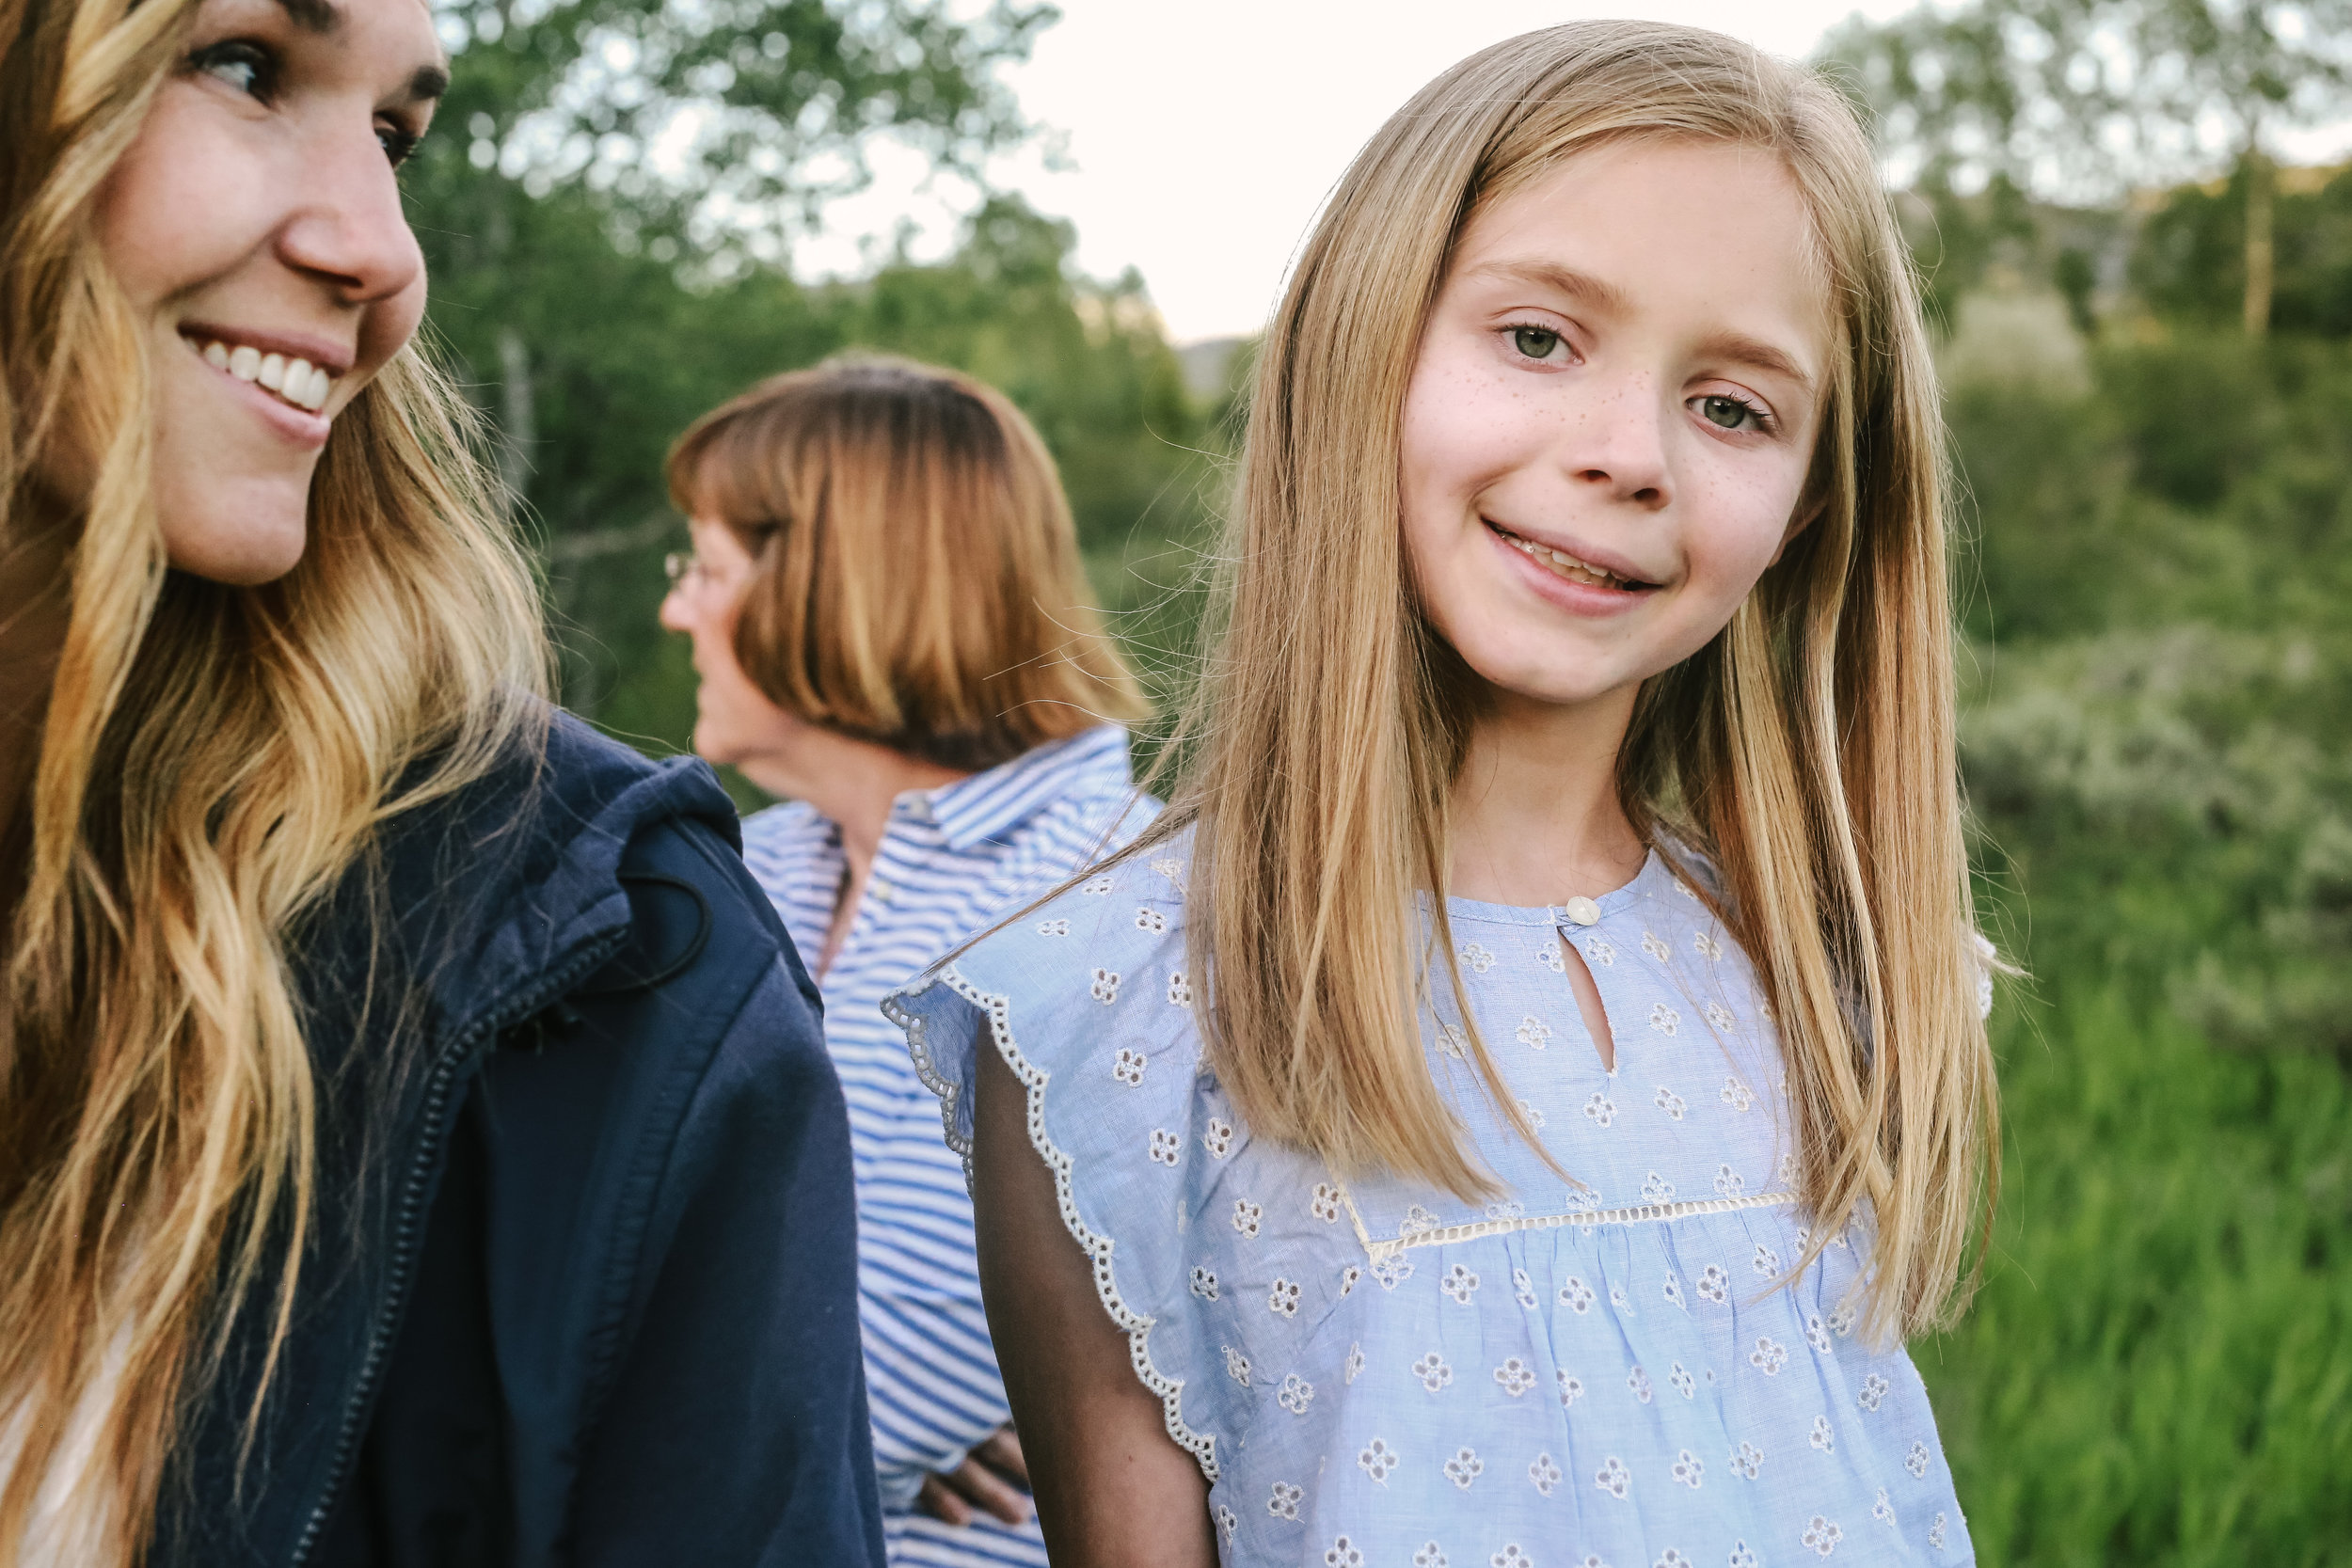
(1725, 413)
(1536, 342)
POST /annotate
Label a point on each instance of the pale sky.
(1205, 134)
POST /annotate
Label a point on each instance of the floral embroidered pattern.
(1602, 1109)
(1822, 1536)
(1535, 1034)
(1729, 1183)
(1742, 1556)
(1417, 1220)
(1719, 1016)
(1236, 1364)
(1817, 1333)
(1747, 1460)
(1179, 989)
(1454, 1041)
(1549, 955)
(1917, 1461)
(1228, 1521)
(1053, 927)
(1097, 886)
(1843, 1319)
(1515, 1376)
(1672, 1293)
(1639, 1382)
(1534, 1117)
(1296, 1393)
(1873, 1393)
(1822, 1436)
(1204, 1284)
(1576, 1295)
(1283, 1301)
(1165, 1147)
(1429, 1556)
(1601, 953)
(1170, 868)
(1884, 1510)
(1106, 987)
(1219, 1139)
(1669, 1101)
(1714, 1285)
(1245, 1217)
(1617, 1299)
(1459, 1283)
(1673, 1558)
(1433, 1371)
(1571, 1388)
(1149, 918)
(1355, 1363)
(1127, 1066)
(1657, 1189)
(1325, 1202)
(1614, 1478)
(1545, 1473)
(1655, 946)
(1391, 1271)
(1464, 1468)
(1684, 1384)
(1350, 1277)
(1936, 1533)
(1766, 1262)
(1689, 1470)
(1285, 1501)
(1664, 1018)
(1511, 1557)
(1768, 1356)
(1378, 1460)
(1476, 958)
(1704, 944)
(1523, 1290)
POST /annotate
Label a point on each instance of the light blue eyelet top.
(1376, 1373)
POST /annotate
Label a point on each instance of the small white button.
(1583, 910)
(881, 890)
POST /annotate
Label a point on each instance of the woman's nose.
(675, 615)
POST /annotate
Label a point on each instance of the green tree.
(2087, 97)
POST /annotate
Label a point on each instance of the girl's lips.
(303, 427)
(1578, 598)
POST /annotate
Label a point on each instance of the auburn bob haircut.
(916, 576)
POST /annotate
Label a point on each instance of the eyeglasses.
(687, 571)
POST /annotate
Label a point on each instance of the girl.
(415, 1143)
(890, 623)
(1511, 1108)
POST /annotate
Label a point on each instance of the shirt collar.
(987, 805)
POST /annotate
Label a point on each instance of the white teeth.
(296, 381)
(1561, 562)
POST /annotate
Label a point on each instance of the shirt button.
(1582, 910)
(881, 890)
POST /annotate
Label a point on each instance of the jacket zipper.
(410, 1221)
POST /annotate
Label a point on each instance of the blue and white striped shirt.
(950, 861)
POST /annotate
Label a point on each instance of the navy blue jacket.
(582, 1287)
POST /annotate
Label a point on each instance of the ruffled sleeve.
(1086, 1000)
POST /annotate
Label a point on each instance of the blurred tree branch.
(2087, 97)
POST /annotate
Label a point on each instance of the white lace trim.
(1201, 1446)
(1589, 1219)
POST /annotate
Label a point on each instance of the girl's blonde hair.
(917, 579)
(212, 760)
(1809, 751)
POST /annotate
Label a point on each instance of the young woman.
(892, 629)
(419, 1144)
(1511, 1108)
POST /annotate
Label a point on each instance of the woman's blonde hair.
(917, 579)
(1809, 751)
(212, 760)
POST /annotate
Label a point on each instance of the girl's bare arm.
(1112, 1489)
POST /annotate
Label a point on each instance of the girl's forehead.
(1713, 230)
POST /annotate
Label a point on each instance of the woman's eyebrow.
(322, 17)
(1739, 349)
(1578, 285)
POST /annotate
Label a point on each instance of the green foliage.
(2159, 748)
(2189, 262)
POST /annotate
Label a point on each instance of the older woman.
(890, 625)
